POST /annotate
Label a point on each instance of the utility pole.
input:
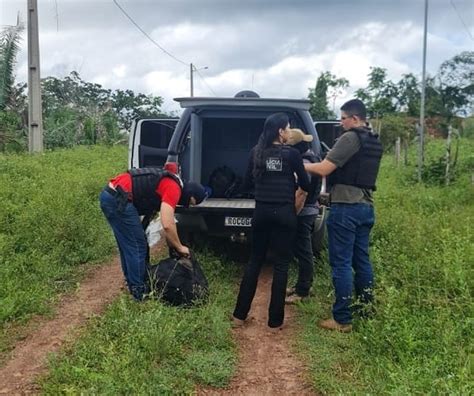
(191, 70)
(35, 118)
(422, 104)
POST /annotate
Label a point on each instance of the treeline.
(74, 111)
(394, 107)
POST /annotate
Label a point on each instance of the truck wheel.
(318, 239)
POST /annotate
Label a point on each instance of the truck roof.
(297, 104)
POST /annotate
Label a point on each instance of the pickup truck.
(213, 132)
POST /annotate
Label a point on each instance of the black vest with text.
(277, 184)
(362, 168)
(315, 181)
(144, 184)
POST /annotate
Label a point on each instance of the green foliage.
(10, 129)
(380, 94)
(154, 349)
(78, 112)
(50, 224)
(467, 129)
(326, 85)
(419, 340)
(393, 126)
(9, 46)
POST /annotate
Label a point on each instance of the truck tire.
(318, 238)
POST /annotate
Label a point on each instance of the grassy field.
(418, 342)
(420, 338)
(50, 224)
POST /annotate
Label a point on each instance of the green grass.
(50, 224)
(420, 338)
(151, 348)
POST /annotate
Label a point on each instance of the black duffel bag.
(178, 281)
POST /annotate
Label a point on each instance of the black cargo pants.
(273, 228)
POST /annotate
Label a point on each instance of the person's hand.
(183, 251)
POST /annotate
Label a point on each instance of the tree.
(409, 95)
(9, 46)
(380, 96)
(327, 84)
(455, 80)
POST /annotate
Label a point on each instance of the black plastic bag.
(178, 281)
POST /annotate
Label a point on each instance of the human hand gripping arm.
(170, 230)
(323, 168)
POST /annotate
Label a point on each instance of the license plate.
(238, 221)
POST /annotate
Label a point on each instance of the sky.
(277, 48)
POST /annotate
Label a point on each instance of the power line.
(462, 20)
(205, 82)
(148, 37)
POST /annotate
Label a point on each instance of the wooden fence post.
(448, 155)
(397, 150)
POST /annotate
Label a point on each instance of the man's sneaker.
(294, 299)
(236, 323)
(290, 291)
(331, 324)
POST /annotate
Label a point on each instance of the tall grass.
(420, 339)
(50, 224)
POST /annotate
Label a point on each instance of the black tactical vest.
(315, 181)
(144, 184)
(277, 184)
(363, 167)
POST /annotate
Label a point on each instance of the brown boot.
(331, 324)
(294, 299)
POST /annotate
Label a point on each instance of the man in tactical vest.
(353, 165)
(145, 192)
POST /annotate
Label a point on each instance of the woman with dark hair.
(271, 171)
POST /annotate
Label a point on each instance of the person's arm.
(249, 184)
(170, 230)
(323, 168)
(298, 168)
(300, 199)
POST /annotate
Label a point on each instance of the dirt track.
(28, 358)
(266, 364)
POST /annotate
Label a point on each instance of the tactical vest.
(277, 183)
(362, 168)
(315, 185)
(144, 184)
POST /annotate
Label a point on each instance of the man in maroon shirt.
(145, 192)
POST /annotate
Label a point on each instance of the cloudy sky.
(275, 47)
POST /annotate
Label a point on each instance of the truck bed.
(221, 205)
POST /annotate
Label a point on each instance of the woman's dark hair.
(271, 128)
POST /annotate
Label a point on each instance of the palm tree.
(9, 46)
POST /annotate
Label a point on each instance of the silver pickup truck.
(213, 133)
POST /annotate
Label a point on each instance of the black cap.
(192, 189)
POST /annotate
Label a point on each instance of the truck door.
(149, 140)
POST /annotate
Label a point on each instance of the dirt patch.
(267, 364)
(29, 356)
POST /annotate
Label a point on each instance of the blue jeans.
(349, 227)
(131, 241)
